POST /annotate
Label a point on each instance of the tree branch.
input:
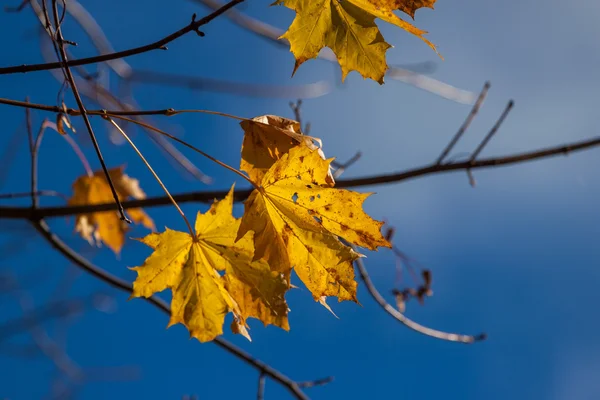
(160, 44)
(240, 195)
(125, 286)
(71, 81)
(452, 337)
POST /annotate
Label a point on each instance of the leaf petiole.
(187, 222)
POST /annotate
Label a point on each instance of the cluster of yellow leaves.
(191, 267)
(348, 28)
(294, 219)
(107, 226)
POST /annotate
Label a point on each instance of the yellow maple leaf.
(297, 218)
(190, 266)
(106, 226)
(267, 138)
(348, 28)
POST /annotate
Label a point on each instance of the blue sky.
(516, 257)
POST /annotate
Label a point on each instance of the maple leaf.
(106, 226)
(267, 138)
(348, 28)
(191, 266)
(297, 218)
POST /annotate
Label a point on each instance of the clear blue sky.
(516, 257)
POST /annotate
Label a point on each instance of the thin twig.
(260, 392)
(211, 158)
(125, 286)
(35, 151)
(341, 168)
(316, 382)
(466, 124)
(86, 120)
(33, 177)
(49, 193)
(452, 337)
(492, 131)
(169, 112)
(160, 44)
(162, 185)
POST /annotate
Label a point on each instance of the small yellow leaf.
(348, 28)
(190, 267)
(297, 218)
(106, 226)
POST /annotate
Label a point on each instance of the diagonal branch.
(193, 26)
(126, 287)
(69, 76)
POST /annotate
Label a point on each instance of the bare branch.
(466, 124)
(260, 392)
(316, 382)
(125, 286)
(240, 195)
(492, 131)
(193, 26)
(452, 337)
(69, 76)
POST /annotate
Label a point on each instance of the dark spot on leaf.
(309, 186)
(351, 214)
(312, 198)
(295, 197)
(328, 207)
(319, 220)
(301, 158)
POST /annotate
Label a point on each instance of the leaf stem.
(213, 159)
(187, 222)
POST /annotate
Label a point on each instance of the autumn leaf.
(297, 218)
(106, 226)
(348, 28)
(267, 138)
(192, 266)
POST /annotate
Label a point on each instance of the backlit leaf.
(192, 268)
(297, 218)
(266, 139)
(106, 226)
(348, 28)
